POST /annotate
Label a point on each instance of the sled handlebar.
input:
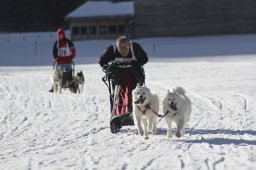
(54, 65)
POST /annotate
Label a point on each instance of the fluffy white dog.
(177, 109)
(145, 110)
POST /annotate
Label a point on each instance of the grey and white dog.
(80, 81)
(56, 79)
(74, 85)
(177, 109)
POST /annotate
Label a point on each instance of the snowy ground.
(40, 130)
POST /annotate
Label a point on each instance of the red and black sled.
(121, 80)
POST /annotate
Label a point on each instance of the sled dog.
(80, 81)
(56, 79)
(145, 110)
(177, 109)
(80, 77)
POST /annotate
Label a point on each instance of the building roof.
(102, 9)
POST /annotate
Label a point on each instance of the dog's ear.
(174, 91)
(138, 85)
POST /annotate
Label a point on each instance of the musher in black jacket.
(126, 54)
(126, 59)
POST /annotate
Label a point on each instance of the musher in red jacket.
(63, 52)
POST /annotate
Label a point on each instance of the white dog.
(145, 110)
(177, 109)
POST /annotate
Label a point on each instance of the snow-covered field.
(41, 130)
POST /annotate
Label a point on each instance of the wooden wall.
(193, 17)
(101, 22)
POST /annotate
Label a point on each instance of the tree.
(34, 15)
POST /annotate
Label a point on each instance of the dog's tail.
(179, 90)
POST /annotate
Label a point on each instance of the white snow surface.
(41, 130)
(103, 8)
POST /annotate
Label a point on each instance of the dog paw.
(146, 137)
(178, 134)
(141, 132)
(169, 136)
(154, 132)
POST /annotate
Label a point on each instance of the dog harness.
(169, 112)
(148, 107)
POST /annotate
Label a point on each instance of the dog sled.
(120, 83)
(74, 81)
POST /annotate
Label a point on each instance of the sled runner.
(120, 82)
(68, 79)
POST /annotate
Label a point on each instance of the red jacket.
(64, 51)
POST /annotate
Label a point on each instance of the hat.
(60, 31)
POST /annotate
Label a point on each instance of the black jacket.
(110, 54)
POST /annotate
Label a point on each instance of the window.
(103, 29)
(92, 30)
(84, 30)
(75, 30)
(112, 29)
(121, 29)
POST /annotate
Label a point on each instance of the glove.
(70, 57)
(135, 64)
(105, 67)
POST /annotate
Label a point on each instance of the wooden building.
(193, 17)
(159, 18)
(101, 20)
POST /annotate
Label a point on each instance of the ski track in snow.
(40, 130)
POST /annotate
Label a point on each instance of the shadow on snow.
(216, 140)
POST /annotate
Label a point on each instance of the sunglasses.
(124, 48)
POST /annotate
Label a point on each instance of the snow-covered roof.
(92, 9)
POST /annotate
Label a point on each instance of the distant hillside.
(34, 15)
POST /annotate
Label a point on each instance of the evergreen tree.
(34, 15)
